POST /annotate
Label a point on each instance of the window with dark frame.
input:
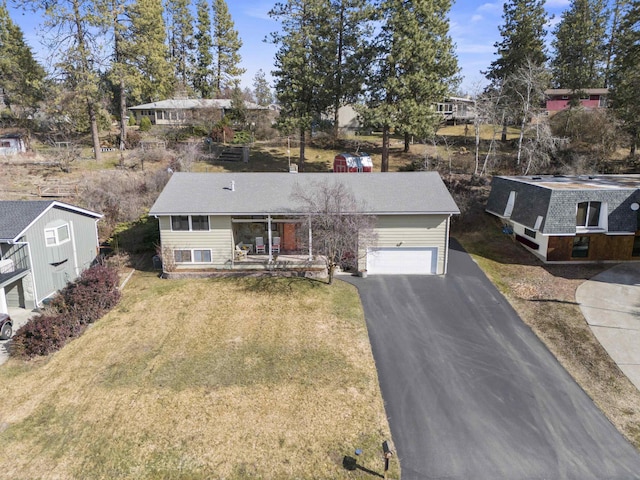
(588, 214)
(199, 222)
(636, 246)
(580, 247)
(180, 222)
(530, 233)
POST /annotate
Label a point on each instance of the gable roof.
(271, 193)
(194, 103)
(17, 216)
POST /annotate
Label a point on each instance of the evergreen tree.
(347, 30)
(522, 46)
(261, 89)
(415, 68)
(226, 44)
(72, 32)
(21, 76)
(301, 65)
(202, 76)
(180, 32)
(580, 46)
(625, 74)
(612, 36)
(150, 75)
(522, 38)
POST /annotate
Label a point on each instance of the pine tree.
(181, 41)
(150, 75)
(261, 89)
(522, 46)
(349, 26)
(522, 41)
(580, 46)
(625, 74)
(21, 76)
(226, 45)
(301, 63)
(72, 32)
(202, 76)
(415, 68)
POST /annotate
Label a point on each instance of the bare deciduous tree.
(340, 227)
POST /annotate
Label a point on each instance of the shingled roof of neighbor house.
(17, 215)
(400, 193)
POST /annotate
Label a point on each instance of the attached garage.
(402, 261)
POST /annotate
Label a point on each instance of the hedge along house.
(213, 223)
(572, 218)
(43, 245)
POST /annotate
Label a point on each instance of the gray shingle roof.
(193, 103)
(16, 216)
(271, 193)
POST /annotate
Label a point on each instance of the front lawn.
(223, 378)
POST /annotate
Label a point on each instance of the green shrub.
(242, 138)
(132, 120)
(145, 124)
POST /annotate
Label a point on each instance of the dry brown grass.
(226, 378)
(544, 297)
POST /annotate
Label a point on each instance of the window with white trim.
(57, 236)
(185, 223)
(589, 215)
(192, 255)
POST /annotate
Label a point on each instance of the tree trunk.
(503, 137)
(384, 167)
(95, 136)
(123, 116)
(302, 147)
(407, 142)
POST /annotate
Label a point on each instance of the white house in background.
(214, 222)
(12, 144)
(43, 245)
(181, 111)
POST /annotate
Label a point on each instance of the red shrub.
(42, 335)
(78, 304)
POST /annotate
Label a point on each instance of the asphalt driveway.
(470, 391)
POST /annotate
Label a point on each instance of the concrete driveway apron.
(470, 391)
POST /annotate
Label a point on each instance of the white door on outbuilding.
(402, 261)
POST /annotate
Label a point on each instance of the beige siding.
(413, 231)
(218, 239)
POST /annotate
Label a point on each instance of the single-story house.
(43, 245)
(12, 144)
(456, 110)
(558, 98)
(571, 218)
(208, 221)
(181, 111)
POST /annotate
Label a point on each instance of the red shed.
(348, 163)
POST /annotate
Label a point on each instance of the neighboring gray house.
(182, 111)
(43, 245)
(212, 222)
(571, 218)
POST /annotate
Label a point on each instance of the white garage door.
(418, 260)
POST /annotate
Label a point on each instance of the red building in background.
(558, 98)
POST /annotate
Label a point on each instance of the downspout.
(269, 237)
(75, 250)
(446, 246)
(33, 277)
(310, 241)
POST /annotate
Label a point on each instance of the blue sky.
(474, 29)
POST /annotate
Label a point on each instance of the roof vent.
(536, 178)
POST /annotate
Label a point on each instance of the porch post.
(310, 241)
(269, 237)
